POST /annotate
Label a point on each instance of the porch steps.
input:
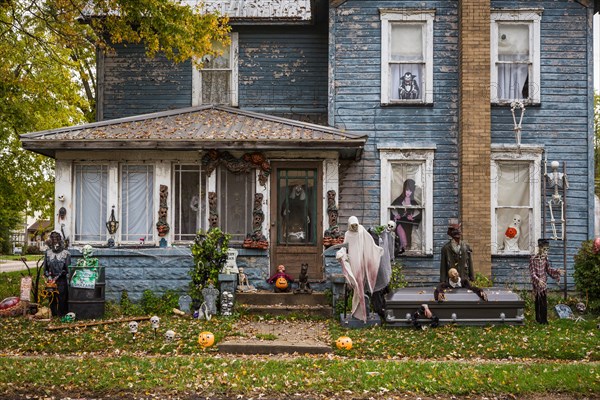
(281, 304)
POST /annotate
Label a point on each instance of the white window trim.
(389, 16)
(530, 15)
(233, 84)
(389, 155)
(532, 154)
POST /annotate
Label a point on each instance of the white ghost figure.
(512, 234)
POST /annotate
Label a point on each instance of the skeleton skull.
(133, 327)
(354, 227)
(154, 322)
(169, 335)
(71, 316)
(391, 226)
(87, 251)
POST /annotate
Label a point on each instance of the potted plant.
(210, 254)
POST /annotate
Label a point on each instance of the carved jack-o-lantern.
(281, 283)
(206, 339)
(344, 342)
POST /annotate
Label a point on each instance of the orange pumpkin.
(281, 283)
(206, 339)
(511, 233)
(343, 343)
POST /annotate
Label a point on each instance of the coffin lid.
(197, 128)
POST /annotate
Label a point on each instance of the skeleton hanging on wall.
(409, 89)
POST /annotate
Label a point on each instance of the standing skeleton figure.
(555, 180)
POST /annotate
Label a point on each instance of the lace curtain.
(514, 199)
(91, 183)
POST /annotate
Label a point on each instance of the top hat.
(543, 243)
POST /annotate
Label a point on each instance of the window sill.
(504, 104)
(512, 255)
(406, 104)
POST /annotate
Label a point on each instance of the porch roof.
(197, 128)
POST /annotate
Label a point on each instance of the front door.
(297, 218)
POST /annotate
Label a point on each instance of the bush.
(587, 274)
(127, 306)
(397, 280)
(482, 281)
(210, 253)
(152, 304)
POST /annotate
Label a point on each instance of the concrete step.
(288, 299)
(273, 347)
(283, 310)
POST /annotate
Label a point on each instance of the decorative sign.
(289, 9)
(26, 288)
(231, 265)
(84, 278)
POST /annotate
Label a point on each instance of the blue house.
(422, 112)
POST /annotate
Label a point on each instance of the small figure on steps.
(303, 285)
(281, 280)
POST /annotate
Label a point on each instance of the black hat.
(543, 243)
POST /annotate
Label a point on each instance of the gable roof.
(197, 128)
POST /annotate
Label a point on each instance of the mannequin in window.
(295, 214)
(406, 218)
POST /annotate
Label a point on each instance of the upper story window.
(91, 189)
(407, 198)
(515, 200)
(515, 52)
(217, 81)
(406, 56)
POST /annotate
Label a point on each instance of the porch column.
(474, 136)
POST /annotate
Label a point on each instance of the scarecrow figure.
(456, 254)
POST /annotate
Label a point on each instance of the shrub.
(210, 253)
(482, 281)
(587, 274)
(152, 304)
(397, 280)
(127, 306)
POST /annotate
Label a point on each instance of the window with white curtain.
(137, 205)
(406, 56)
(235, 192)
(515, 202)
(515, 47)
(189, 208)
(407, 198)
(91, 188)
(216, 82)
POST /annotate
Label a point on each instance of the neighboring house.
(320, 110)
(38, 233)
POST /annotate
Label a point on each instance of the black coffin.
(461, 307)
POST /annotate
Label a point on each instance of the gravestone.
(563, 311)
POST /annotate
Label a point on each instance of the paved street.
(9, 266)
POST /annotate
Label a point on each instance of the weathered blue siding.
(283, 71)
(356, 107)
(561, 123)
(133, 84)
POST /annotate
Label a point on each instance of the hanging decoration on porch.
(256, 239)
(332, 235)
(245, 164)
(213, 215)
(162, 226)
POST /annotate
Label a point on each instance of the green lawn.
(563, 357)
